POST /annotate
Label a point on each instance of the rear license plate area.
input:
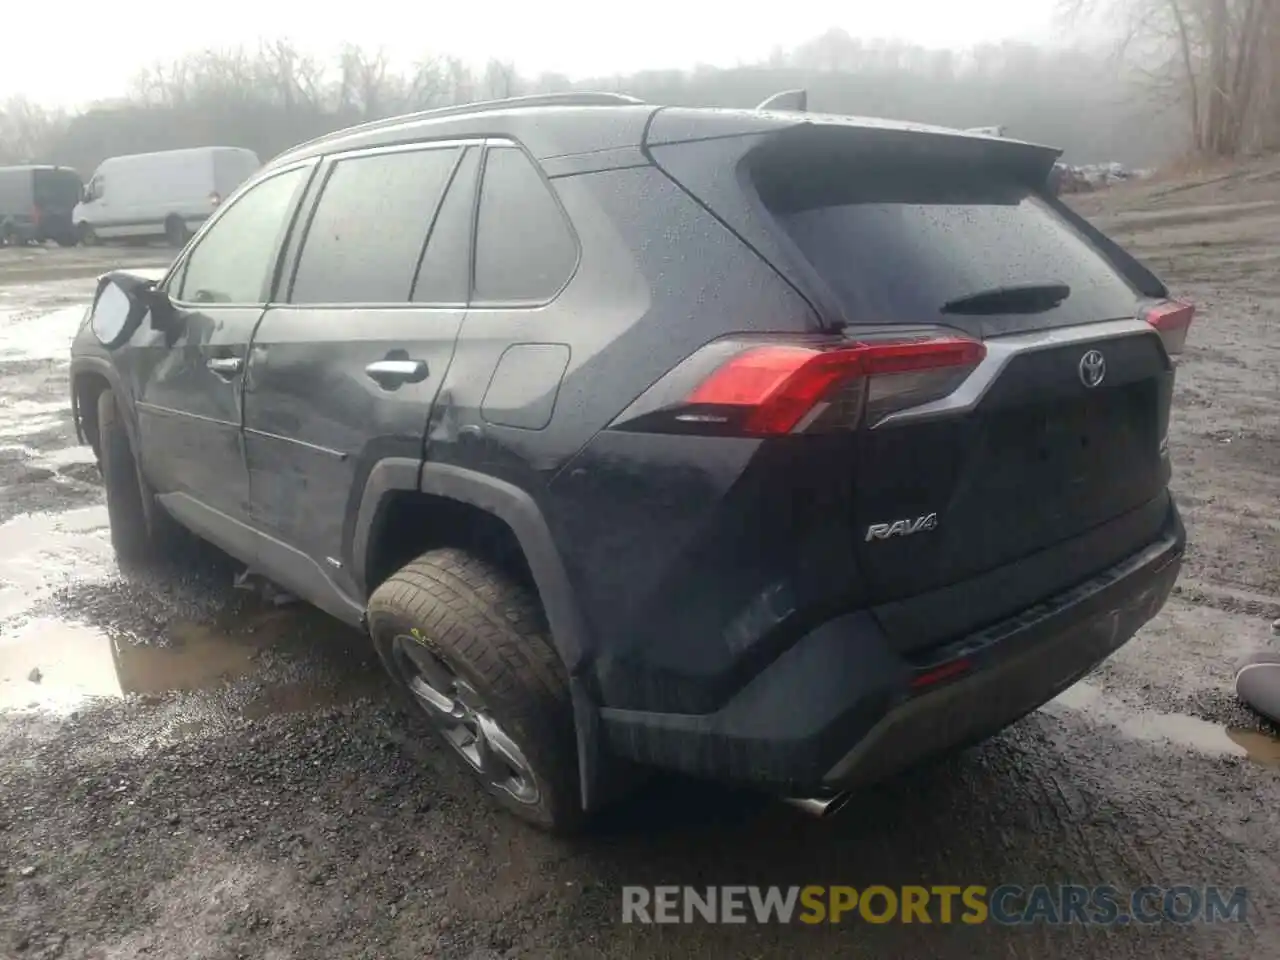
(1075, 442)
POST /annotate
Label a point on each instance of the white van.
(166, 194)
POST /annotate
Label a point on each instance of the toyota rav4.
(771, 447)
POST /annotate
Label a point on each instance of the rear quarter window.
(897, 246)
(525, 250)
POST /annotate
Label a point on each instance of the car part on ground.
(1257, 682)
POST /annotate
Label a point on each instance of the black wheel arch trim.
(510, 504)
(104, 368)
(517, 508)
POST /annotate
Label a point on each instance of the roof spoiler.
(797, 100)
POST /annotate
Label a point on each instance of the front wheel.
(140, 532)
(469, 647)
(86, 234)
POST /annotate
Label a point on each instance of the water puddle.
(63, 456)
(73, 629)
(37, 551)
(21, 419)
(1257, 746)
(53, 664)
(40, 334)
(1192, 733)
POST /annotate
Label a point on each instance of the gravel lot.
(188, 770)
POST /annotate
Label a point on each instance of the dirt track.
(200, 774)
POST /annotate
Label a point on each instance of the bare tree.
(272, 95)
(24, 130)
(1214, 58)
(429, 85)
(500, 80)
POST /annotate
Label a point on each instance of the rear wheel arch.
(408, 507)
(398, 488)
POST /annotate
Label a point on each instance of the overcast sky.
(68, 55)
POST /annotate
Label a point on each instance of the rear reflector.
(783, 388)
(936, 675)
(1172, 319)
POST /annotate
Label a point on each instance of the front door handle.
(225, 367)
(390, 374)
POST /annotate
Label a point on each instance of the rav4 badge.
(902, 528)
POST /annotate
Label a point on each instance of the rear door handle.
(225, 367)
(390, 374)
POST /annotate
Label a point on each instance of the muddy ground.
(187, 770)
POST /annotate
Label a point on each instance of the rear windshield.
(58, 189)
(900, 245)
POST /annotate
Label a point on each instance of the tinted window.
(524, 250)
(896, 245)
(233, 261)
(444, 274)
(366, 237)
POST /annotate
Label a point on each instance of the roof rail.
(797, 100)
(568, 99)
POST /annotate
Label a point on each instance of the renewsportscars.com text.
(1008, 904)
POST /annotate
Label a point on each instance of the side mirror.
(122, 301)
(118, 309)
(163, 316)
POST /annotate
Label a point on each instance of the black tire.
(66, 240)
(175, 232)
(489, 632)
(7, 234)
(86, 234)
(140, 531)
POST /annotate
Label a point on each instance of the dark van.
(36, 204)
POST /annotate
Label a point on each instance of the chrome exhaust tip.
(819, 806)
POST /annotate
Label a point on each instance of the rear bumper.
(842, 707)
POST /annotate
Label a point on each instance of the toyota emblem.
(1093, 368)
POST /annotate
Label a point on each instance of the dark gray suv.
(771, 447)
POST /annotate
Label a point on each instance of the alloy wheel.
(464, 719)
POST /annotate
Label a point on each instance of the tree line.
(1216, 62)
(269, 97)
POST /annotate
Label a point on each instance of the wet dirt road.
(188, 770)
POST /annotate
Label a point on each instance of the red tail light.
(776, 385)
(778, 388)
(1172, 319)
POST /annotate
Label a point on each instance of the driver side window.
(232, 262)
